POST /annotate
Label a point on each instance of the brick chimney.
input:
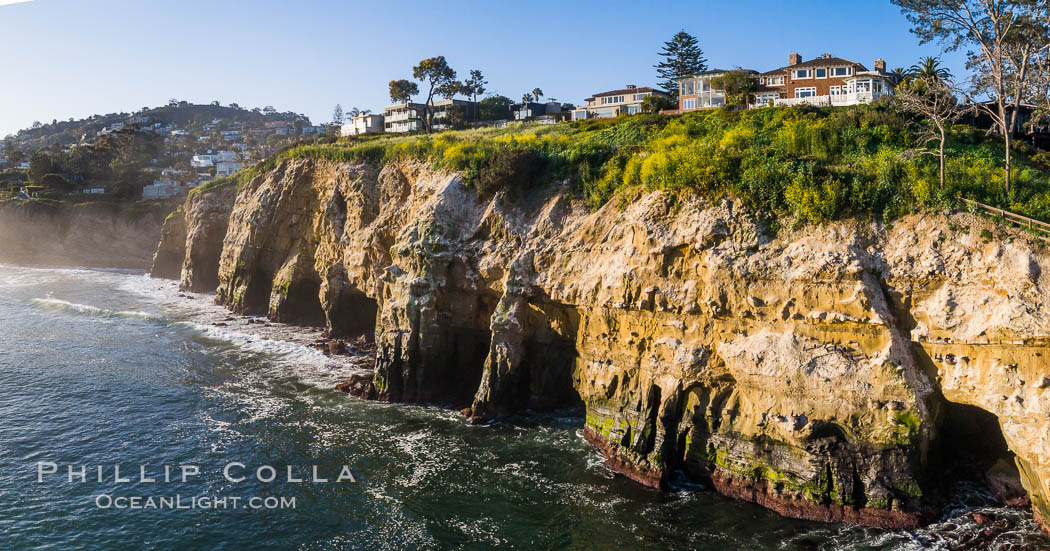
(631, 86)
(794, 59)
(880, 65)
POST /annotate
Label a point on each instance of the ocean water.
(113, 368)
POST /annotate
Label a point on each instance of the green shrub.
(510, 170)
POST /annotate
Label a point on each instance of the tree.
(738, 86)
(401, 91)
(337, 115)
(474, 87)
(654, 103)
(269, 110)
(449, 89)
(435, 73)
(898, 75)
(40, 165)
(526, 97)
(57, 182)
(930, 97)
(537, 93)
(495, 108)
(216, 103)
(1004, 39)
(929, 68)
(682, 57)
(16, 156)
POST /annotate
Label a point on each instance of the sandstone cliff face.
(192, 239)
(88, 234)
(810, 371)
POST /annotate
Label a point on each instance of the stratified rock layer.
(809, 371)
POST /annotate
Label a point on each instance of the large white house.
(226, 168)
(363, 124)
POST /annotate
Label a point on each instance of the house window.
(774, 81)
(688, 87)
(836, 90)
(806, 92)
(688, 104)
(841, 71)
(821, 72)
(802, 73)
(640, 97)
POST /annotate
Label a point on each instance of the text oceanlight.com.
(106, 501)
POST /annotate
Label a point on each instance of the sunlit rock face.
(811, 370)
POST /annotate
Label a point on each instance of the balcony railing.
(854, 98)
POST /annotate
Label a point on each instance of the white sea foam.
(86, 309)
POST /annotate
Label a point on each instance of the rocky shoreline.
(812, 371)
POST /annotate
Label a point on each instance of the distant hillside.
(180, 114)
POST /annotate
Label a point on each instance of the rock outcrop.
(192, 239)
(810, 371)
(87, 234)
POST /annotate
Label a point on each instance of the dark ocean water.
(112, 368)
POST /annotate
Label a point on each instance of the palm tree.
(930, 68)
(537, 93)
(526, 98)
(898, 75)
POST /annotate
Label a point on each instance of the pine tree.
(337, 114)
(682, 57)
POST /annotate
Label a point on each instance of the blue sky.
(75, 58)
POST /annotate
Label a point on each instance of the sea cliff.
(833, 372)
(96, 234)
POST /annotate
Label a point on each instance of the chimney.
(827, 56)
(631, 87)
(880, 65)
(794, 59)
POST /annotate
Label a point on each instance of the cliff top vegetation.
(810, 164)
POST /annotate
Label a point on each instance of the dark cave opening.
(971, 447)
(353, 315)
(302, 305)
(257, 293)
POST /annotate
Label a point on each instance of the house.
(404, 117)
(313, 129)
(626, 101)
(94, 191)
(202, 161)
(224, 156)
(363, 124)
(700, 91)
(532, 110)
(826, 80)
(442, 111)
(160, 189)
(226, 168)
(1027, 126)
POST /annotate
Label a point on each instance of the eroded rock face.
(192, 240)
(207, 216)
(808, 371)
(171, 252)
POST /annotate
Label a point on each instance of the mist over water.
(111, 367)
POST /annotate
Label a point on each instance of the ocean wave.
(94, 311)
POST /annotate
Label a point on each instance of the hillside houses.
(824, 81)
(626, 101)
